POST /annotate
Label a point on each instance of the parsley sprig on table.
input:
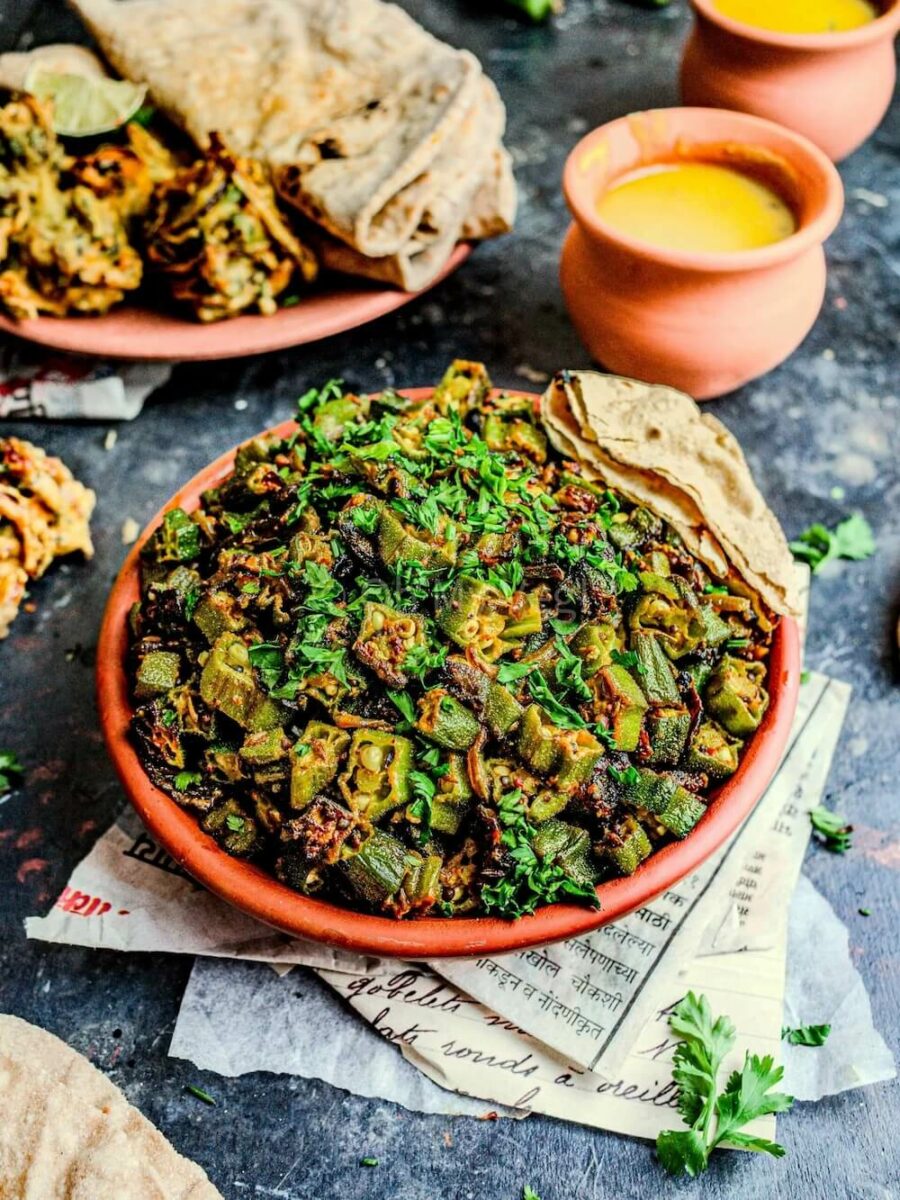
(818, 545)
(531, 881)
(714, 1118)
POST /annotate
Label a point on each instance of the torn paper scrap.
(35, 385)
(826, 989)
(308, 1032)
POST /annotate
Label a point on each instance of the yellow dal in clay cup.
(696, 206)
(800, 16)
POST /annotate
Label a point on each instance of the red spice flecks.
(29, 867)
(29, 838)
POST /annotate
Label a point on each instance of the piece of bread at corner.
(68, 1133)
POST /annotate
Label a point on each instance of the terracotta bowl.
(703, 322)
(253, 891)
(834, 88)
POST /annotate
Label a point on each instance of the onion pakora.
(44, 514)
(215, 234)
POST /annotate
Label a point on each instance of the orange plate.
(253, 891)
(149, 334)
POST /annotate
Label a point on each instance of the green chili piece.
(735, 695)
(157, 673)
(442, 719)
(713, 751)
(376, 777)
(228, 684)
(315, 761)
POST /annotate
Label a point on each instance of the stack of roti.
(44, 514)
(386, 139)
(67, 1133)
(654, 445)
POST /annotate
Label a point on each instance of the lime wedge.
(85, 105)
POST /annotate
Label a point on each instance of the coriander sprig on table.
(716, 1119)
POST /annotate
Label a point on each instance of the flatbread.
(69, 1134)
(359, 112)
(655, 445)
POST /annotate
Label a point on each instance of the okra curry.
(411, 660)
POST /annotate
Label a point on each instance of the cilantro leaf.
(528, 1193)
(833, 830)
(806, 1035)
(715, 1120)
(186, 779)
(851, 539)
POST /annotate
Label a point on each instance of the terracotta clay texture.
(702, 322)
(250, 889)
(151, 334)
(834, 88)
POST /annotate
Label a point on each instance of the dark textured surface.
(828, 418)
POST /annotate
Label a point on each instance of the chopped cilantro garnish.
(193, 1090)
(11, 772)
(186, 779)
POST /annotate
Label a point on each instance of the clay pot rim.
(260, 895)
(581, 195)
(887, 24)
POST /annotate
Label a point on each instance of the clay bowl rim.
(885, 25)
(814, 229)
(260, 895)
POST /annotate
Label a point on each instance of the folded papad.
(379, 133)
(654, 445)
(68, 1133)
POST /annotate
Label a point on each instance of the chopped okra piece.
(713, 751)
(594, 645)
(568, 847)
(546, 804)
(218, 612)
(474, 614)
(452, 798)
(671, 611)
(157, 673)
(228, 684)
(442, 719)
(398, 540)
(386, 637)
(376, 777)
(176, 540)
(579, 753)
(631, 846)
(667, 726)
(493, 704)
(620, 705)
(656, 674)
(315, 761)
(736, 696)
(335, 416)
(538, 740)
(514, 435)
(464, 387)
(377, 871)
(233, 828)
